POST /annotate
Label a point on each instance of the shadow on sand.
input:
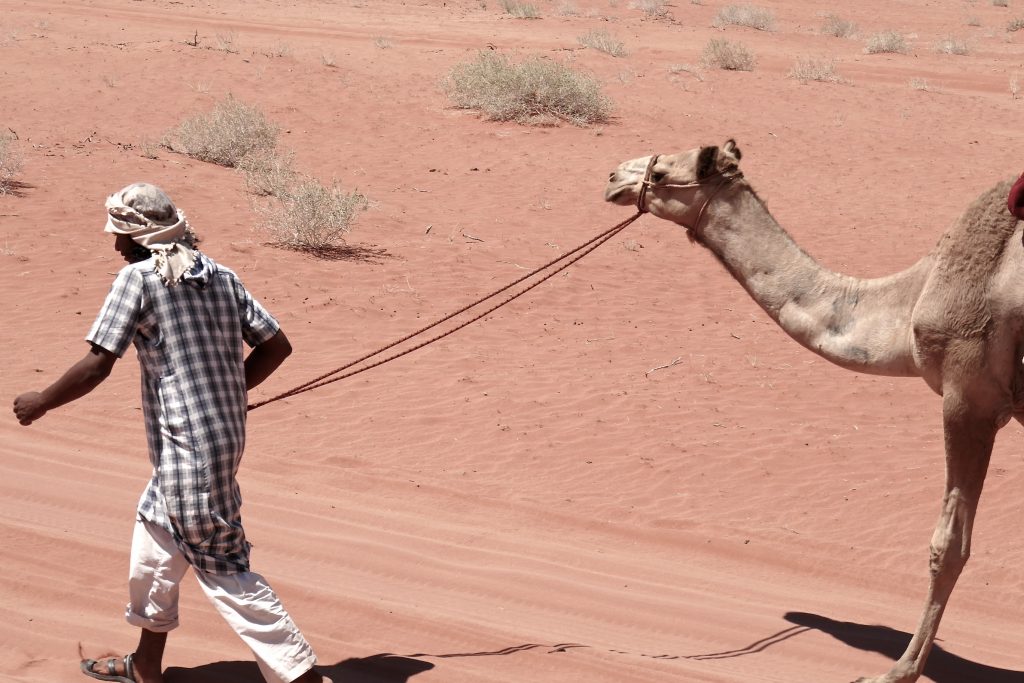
(382, 668)
(942, 666)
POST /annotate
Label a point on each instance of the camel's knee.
(947, 561)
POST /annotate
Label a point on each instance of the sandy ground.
(528, 499)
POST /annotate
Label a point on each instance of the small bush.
(226, 42)
(838, 27)
(722, 54)
(567, 9)
(745, 15)
(811, 69)
(1000, 3)
(311, 217)
(1015, 25)
(149, 149)
(603, 42)
(686, 68)
(536, 91)
(278, 49)
(10, 161)
(951, 45)
(886, 41)
(520, 10)
(225, 135)
(652, 9)
(268, 173)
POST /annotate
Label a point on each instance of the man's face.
(126, 246)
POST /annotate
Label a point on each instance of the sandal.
(89, 664)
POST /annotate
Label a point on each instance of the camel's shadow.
(942, 666)
(382, 668)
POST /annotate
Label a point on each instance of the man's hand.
(29, 407)
(79, 380)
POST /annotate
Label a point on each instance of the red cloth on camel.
(1015, 202)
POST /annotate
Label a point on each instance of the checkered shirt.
(189, 342)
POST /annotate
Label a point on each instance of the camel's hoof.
(887, 678)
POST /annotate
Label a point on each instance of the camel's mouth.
(622, 195)
(622, 188)
(624, 182)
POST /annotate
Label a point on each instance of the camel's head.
(679, 186)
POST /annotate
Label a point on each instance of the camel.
(955, 318)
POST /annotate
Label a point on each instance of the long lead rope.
(328, 377)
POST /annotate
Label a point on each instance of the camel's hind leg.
(969, 438)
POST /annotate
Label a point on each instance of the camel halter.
(647, 183)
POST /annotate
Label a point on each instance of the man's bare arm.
(76, 382)
(266, 358)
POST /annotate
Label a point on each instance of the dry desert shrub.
(652, 9)
(951, 45)
(750, 16)
(535, 91)
(268, 173)
(226, 42)
(686, 68)
(838, 27)
(602, 41)
(1015, 25)
(148, 149)
(1000, 3)
(815, 69)
(567, 9)
(520, 10)
(722, 54)
(10, 160)
(227, 134)
(886, 41)
(278, 49)
(311, 217)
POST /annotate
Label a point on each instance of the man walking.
(187, 317)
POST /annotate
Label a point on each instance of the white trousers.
(245, 600)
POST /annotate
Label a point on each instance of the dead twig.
(667, 365)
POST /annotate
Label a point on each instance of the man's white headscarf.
(149, 217)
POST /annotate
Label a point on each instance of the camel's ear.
(706, 160)
(731, 149)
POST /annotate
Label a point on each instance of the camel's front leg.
(969, 439)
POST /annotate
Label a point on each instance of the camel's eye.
(657, 177)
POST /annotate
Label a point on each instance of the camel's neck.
(862, 325)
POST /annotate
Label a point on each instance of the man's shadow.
(942, 666)
(382, 668)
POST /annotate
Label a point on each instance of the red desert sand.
(630, 474)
